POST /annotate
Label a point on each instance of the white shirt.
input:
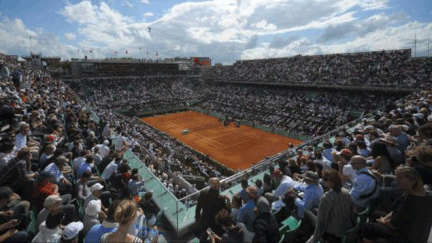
(326, 164)
(109, 170)
(54, 170)
(103, 150)
(120, 143)
(286, 184)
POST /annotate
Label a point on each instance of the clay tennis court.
(237, 148)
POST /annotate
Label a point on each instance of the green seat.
(290, 229)
(364, 215)
(282, 239)
(81, 212)
(292, 222)
(32, 214)
(32, 229)
(352, 234)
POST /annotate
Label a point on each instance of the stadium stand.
(66, 161)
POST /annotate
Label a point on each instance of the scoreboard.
(201, 61)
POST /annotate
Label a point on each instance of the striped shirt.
(14, 170)
(335, 214)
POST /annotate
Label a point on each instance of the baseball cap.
(72, 230)
(345, 152)
(312, 176)
(277, 172)
(51, 200)
(252, 191)
(96, 187)
(93, 207)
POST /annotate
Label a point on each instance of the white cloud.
(227, 30)
(148, 14)
(15, 37)
(70, 36)
(264, 25)
(128, 4)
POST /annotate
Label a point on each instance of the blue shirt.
(54, 170)
(247, 215)
(83, 168)
(244, 196)
(311, 198)
(365, 152)
(363, 185)
(327, 154)
(96, 232)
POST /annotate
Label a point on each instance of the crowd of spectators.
(147, 94)
(373, 69)
(297, 112)
(372, 183)
(62, 175)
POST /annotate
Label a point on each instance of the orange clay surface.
(237, 148)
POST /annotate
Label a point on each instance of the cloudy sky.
(224, 30)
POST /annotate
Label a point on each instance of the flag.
(147, 53)
(140, 48)
(91, 50)
(127, 51)
(115, 52)
(157, 54)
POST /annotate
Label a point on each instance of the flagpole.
(30, 46)
(415, 41)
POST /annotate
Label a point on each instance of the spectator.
(209, 204)
(56, 204)
(98, 195)
(411, 218)
(45, 188)
(9, 217)
(50, 230)
(17, 174)
(243, 194)
(233, 232)
(58, 170)
(49, 152)
(125, 215)
(286, 184)
(93, 212)
(424, 155)
(111, 168)
(258, 185)
(135, 183)
(266, 226)
(108, 225)
(365, 187)
(312, 193)
(236, 204)
(71, 232)
(246, 213)
(335, 215)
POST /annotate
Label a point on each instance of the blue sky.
(224, 30)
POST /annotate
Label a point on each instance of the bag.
(140, 228)
(151, 222)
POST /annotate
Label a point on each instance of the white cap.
(93, 208)
(96, 187)
(72, 230)
(51, 200)
(106, 142)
